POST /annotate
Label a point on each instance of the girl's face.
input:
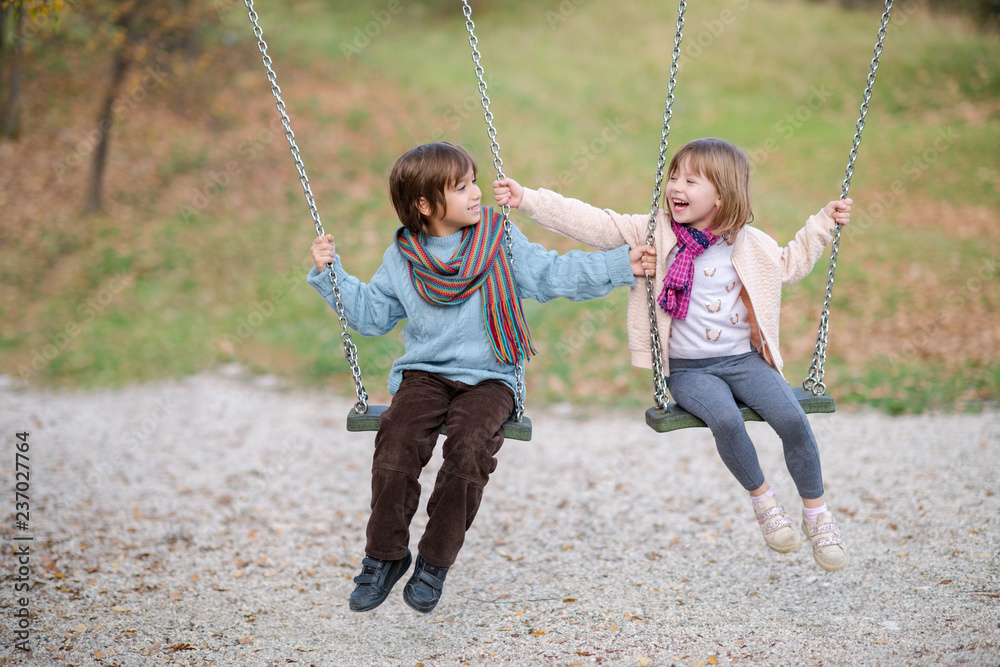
(692, 198)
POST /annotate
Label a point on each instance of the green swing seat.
(675, 417)
(368, 421)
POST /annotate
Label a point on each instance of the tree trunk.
(12, 118)
(123, 58)
(3, 58)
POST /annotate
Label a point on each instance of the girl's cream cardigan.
(763, 266)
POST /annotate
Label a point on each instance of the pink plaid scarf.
(676, 295)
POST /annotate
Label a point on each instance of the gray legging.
(710, 388)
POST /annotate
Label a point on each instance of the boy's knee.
(473, 462)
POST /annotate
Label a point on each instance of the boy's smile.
(462, 208)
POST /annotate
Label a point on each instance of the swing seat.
(676, 417)
(513, 430)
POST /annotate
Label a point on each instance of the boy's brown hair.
(426, 171)
(728, 168)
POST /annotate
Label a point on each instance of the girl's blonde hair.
(728, 168)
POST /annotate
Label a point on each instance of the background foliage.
(196, 253)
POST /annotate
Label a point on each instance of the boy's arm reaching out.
(544, 274)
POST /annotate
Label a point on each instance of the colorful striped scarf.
(676, 295)
(480, 261)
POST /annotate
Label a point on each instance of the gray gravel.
(219, 519)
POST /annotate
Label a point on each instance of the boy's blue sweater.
(452, 341)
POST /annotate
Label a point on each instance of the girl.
(721, 294)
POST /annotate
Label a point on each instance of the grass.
(200, 258)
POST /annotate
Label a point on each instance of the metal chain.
(350, 350)
(814, 380)
(498, 165)
(660, 393)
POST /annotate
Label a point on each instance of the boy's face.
(462, 208)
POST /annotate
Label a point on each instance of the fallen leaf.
(98, 655)
(80, 628)
(642, 661)
(118, 607)
(569, 599)
(247, 640)
(539, 633)
(944, 581)
(712, 660)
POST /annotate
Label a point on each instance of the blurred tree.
(10, 68)
(148, 37)
(985, 13)
(27, 18)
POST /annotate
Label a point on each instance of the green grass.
(578, 103)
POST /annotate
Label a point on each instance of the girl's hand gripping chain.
(508, 191)
(839, 210)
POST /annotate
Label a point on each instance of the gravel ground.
(219, 519)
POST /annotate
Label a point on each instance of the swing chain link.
(660, 392)
(814, 380)
(350, 350)
(498, 165)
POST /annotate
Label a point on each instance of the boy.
(449, 276)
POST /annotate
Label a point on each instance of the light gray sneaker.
(827, 544)
(779, 530)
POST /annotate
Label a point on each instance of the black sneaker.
(423, 590)
(376, 580)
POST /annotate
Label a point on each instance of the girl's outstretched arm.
(803, 251)
(600, 228)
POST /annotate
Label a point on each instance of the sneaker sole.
(414, 606)
(786, 550)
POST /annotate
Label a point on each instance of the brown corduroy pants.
(407, 434)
